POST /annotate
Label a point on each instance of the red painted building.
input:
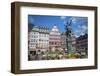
(55, 39)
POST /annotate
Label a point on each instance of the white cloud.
(78, 19)
(76, 35)
(77, 31)
(63, 17)
(84, 27)
(65, 22)
(79, 26)
(73, 19)
(82, 33)
(81, 30)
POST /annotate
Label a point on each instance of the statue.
(69, 37)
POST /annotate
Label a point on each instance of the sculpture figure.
(68, 27)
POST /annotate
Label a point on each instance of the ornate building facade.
(82, 42)
(38, 39)
(54, 38)
(74, 42)
(63, 41)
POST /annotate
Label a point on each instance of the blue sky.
(79, 24)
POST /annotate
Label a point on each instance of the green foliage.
(73, 55)
(51, 55)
